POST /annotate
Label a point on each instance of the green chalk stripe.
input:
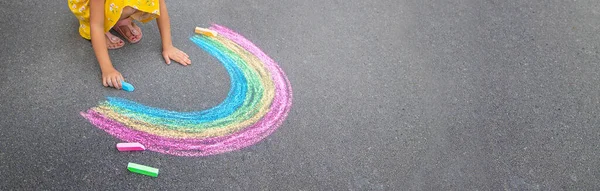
(141, 169)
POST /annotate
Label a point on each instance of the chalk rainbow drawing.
(258, 102)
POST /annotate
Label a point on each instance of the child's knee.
(127, 11)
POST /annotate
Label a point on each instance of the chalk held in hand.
(130, 147)
(206, 32)
(127, 86)
(141, 169)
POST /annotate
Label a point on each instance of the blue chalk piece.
(127, 86)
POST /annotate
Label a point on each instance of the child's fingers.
(177, 59)
(104, 82)
(182, 53)
(188, 61)
(121, 80)
(183, 60)
(167, 59)
(186, 58)
(117, 82)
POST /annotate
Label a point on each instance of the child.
(97, 17)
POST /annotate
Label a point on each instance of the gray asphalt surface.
(388, 95)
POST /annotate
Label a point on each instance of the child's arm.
(110, 76)
(169, 51)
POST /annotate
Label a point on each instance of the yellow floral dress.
(148, 10)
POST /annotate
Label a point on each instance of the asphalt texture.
(388, 95)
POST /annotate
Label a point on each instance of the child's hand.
(112, 78)
(176, 55)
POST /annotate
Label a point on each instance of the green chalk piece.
(141, 169)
